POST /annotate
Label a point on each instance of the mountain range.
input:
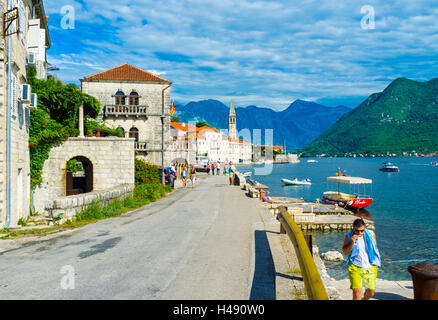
(401, 118)
(293, 127)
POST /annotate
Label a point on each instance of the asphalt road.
(194, 244)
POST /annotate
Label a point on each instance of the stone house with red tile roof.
(137, 101)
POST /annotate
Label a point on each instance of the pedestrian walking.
(232, 172)
(363, 259)
(218, 166)
(184, 175)
(193, 176)
(212, 169)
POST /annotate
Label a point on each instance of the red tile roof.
(126, 72)
(205, 128)
(183, 126)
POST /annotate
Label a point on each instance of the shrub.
(146, 173)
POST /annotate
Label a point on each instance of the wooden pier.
(309, 216)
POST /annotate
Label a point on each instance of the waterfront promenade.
(211, 242)
(193, 244)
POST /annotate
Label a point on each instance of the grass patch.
(142, 195)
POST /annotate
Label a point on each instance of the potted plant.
(98, 134)
(90, 133)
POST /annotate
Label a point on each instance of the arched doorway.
(79, 176)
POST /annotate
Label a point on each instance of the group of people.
(214, 167)
(188, 175)
(229, 169)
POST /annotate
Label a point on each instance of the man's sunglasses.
(359, 231)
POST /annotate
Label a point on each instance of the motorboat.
(247, 174)
(312, 160)
(389, 167)
(434, 163)
(296, 182)
(355, 199)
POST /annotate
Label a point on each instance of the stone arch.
(123, 129)
(82, 181)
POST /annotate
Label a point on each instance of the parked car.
(169, 176)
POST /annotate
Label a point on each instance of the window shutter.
(14, 94)
(22, 17)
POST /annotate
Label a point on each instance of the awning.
(350, 180)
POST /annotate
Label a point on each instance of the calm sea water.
(404, 210)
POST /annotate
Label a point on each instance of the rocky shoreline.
(340, 289)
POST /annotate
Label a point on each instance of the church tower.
(232, 130)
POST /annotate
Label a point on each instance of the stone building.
(23, 18)
(136, 101)
(210, 142)
(183, 142)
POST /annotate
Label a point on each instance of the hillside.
(402, 118)
(294, 127)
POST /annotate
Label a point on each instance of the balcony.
(140, 146)
(126, 111)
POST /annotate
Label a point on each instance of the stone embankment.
(320, 217)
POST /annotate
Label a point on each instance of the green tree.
(200, 124)
(55, 119)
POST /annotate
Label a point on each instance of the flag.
(172, 109)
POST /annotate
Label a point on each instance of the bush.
(146, 173)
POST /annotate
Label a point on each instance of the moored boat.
(389, 167)
(355, 200)
(434, 163)
(296, 182)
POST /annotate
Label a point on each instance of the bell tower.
(232, 130)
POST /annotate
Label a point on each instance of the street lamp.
(162, 133)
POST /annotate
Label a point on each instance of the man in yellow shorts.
(363, 259)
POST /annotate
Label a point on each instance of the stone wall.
(65, 208)
(112, 161)
(20, 162)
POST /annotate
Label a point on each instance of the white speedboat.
(389, 167)
(312, 160)
(296, 182)
(247, 174)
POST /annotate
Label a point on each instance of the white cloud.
(264, 52)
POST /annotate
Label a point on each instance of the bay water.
(404, 210)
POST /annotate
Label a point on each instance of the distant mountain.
(402, 118)
(294, 127)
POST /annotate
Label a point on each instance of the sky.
(263, 53)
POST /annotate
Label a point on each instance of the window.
(133, 133)
(120, 98)
(133, 98)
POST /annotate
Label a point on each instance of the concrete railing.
(140, 146)
(312, 280)
(121, 110)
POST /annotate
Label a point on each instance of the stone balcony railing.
(127, 111)
(140, 146)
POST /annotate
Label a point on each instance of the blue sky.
(264, 53)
